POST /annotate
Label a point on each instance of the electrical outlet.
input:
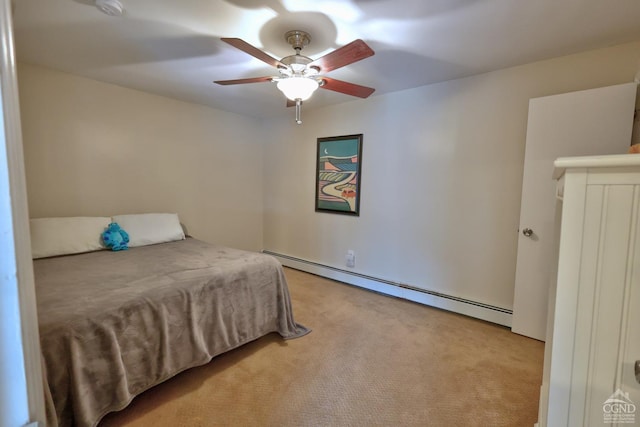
(351, 258)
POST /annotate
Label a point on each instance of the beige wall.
(442, 168)
(441, 178)
(97, 149)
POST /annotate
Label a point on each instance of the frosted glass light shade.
(298, 87)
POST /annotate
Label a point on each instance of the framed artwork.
(338, 169)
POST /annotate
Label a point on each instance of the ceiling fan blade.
(346, 88)
(243, 81)
(347, 54)
(253, 51)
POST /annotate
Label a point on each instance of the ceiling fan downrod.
(297, 39)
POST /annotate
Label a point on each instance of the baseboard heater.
(467, 307)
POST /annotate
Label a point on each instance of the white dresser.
(593, 333)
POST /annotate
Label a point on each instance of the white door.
(590, 122)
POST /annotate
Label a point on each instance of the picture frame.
(338, 174)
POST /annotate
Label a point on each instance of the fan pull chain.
(298, 108)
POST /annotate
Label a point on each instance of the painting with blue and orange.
(338, 174)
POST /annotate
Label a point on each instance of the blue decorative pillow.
(115, 237)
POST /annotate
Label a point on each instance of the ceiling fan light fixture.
(285, 71)
(311, 71)
(296, 88)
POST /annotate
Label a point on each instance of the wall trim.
(455, 304)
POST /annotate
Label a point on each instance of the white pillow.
(68, 235)
(151, 228)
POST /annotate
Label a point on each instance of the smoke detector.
(110, 7)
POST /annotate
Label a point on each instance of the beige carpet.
(371, 360)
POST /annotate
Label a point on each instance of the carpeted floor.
(371, 360)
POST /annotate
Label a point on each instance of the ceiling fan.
(299, 76)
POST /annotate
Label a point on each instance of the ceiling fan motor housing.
(298, 64)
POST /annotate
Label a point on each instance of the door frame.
(23, 395)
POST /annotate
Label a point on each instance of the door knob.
(527, 232)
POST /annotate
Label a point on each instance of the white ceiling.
(172, 47)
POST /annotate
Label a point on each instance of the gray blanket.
(113, 324)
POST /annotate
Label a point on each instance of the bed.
(114, 324)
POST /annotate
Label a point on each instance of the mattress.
(113, 324)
